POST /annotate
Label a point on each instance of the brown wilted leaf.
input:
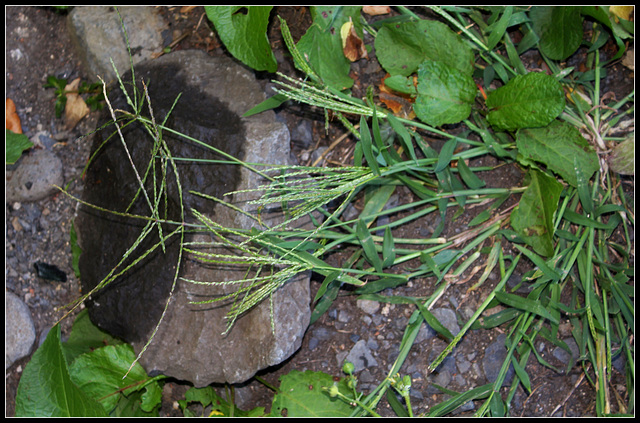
(352, 46)
(13, 120)
(75, 108)
(376, 10)
(400, 104)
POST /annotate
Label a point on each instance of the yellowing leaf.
(352, 45)
(622, 12)
(76, 108)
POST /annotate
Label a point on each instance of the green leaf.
(243, 30)
(532, 219)
(445, 95)
(369, 247)
(367, 146)
(401, 84)
(322, 44)
(498, 28)
(85, 337)
(15, 144)
(388, 248)
(301, 395)
(219, 406)
(46, 389)
(402, 47)
(270, 103)
(100, 374)
(557, 146)
(559, 28)
(525, 304)
(526, 101)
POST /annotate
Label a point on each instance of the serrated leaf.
(322, 45)
(402, 47)
(301, 395)
(532, 219)
(445, 95)
(526, 101)
(559, 28)
(557, 146)
(243, 30)
(46, 389)
(85, 337)
(100, 374)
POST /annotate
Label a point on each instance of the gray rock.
(33, 177)
(494, 356)
(20, 333)
(368, 306)
(189, 344)
(97, 32)
(446, 317)
(361, 357)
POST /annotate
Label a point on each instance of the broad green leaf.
(85, 337)
(46, 389)
(100, 374)
(243, 30)
(401, 84)
(557, 146)
(532, 219)
(322, 44)
(402, 47)
(301, 395)
(559, 28)
(15, 144)
(445, 95)
(526, 101)
(133, 406)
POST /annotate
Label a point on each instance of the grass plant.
(586, 279)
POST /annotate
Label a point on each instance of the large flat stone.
(97, 32)
(189, 344)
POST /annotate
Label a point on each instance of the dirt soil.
(41, 35)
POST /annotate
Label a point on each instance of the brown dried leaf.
(75, 108)
(13, 120)
(376, 10)
(352, 46)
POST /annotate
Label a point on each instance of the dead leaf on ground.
(399, 103)
(376, 10)
(352, 46)
(75, 108)
(13, 120)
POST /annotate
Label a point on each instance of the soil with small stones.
(40, 231)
